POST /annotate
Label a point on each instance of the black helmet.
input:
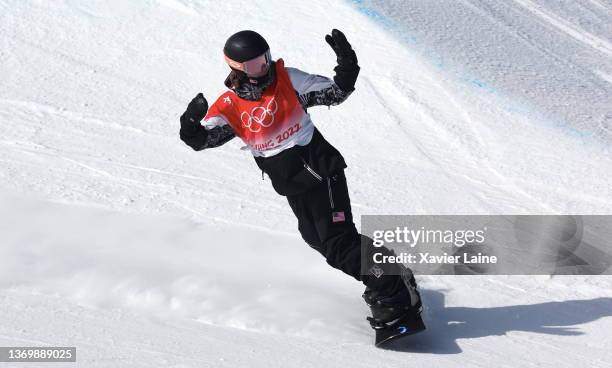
(245, 45)
(248, 55)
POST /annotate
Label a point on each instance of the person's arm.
(316, 90)
(197, 136)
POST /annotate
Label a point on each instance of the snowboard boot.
(398, 313)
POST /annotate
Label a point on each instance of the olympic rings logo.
(260, 117)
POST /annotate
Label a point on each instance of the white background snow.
(117, 238)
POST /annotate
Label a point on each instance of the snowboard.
(404, 326)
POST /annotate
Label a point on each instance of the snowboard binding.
(395, 315)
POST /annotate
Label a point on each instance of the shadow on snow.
(446, 325)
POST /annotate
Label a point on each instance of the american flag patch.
(338, 216)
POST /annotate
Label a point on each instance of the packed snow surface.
(120, 240)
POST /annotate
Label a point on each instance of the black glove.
(192, 132)
(341, 47)
(347, 68)
(196, 110)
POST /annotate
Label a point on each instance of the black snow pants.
(325, 222)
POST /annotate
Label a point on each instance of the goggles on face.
(256, 67)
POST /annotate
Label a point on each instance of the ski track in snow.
(581, 35)
(126, 249)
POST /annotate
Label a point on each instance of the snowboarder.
(266, 106)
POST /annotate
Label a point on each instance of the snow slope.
(554, 57)
(126, 250)
(166, 292)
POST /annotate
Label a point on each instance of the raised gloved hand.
(347, 68)
(192, 132)
(197, 108)
(338, 42)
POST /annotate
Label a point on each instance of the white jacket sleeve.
(313, 89)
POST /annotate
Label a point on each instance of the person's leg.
(329, 206)
(298, 204)
(335, 238)
(325, 221)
